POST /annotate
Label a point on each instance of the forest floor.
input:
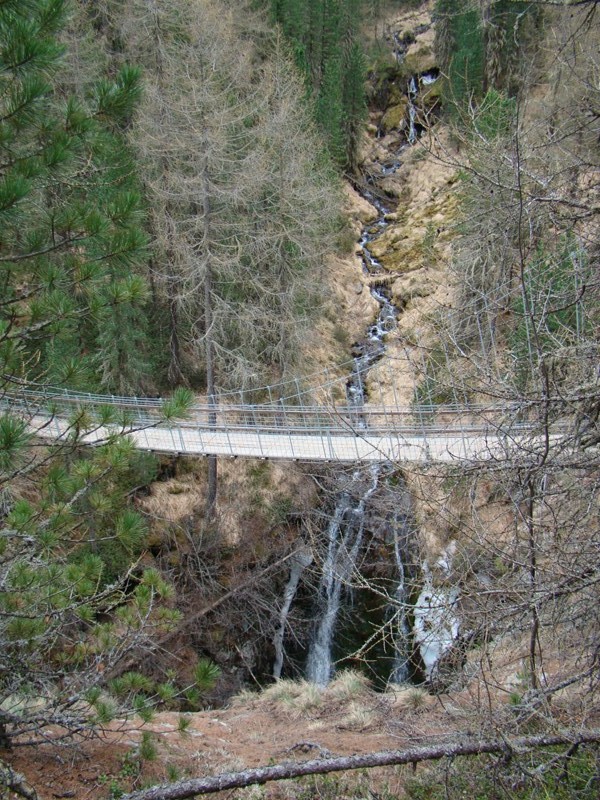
(289, 722)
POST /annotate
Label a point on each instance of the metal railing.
(275, 429)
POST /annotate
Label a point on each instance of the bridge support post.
(284, 415)
(260, 444)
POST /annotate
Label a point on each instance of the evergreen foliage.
(480, 47)
(460, 49)
(70, 217)
(71, 242)
(325, 41)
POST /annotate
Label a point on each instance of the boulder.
(395, 117)
(430, 96)
(423, 60)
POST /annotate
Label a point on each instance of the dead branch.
(15, 783)
(414, 755)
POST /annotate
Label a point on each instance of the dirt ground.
(289, 722)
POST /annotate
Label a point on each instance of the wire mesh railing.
(276, 416)
(275, 429)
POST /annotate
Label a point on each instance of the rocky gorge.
(401, 214)
(365, 608)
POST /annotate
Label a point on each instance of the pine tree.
(480, 46)
(69, 211)
(326, 45)
(70, 239)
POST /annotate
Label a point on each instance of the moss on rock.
(395, 117)
(423, 60)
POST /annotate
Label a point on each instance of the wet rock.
(431, 95)
(421, 61)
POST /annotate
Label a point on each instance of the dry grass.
(410, 698)
(347, 697)
(244, 698)
(349, 684)
(298, 697)
(283, 690)
(309, 700)
(359, 717)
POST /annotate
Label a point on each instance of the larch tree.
(236, 182)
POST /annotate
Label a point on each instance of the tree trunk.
(175, 374)
(211, 496)
(298, 564)
(260, 775)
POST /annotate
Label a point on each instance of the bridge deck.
(398, 446)
(273, 431)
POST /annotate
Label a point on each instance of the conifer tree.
(325, 41)
(69, 214)
(238, 198)
(480, 47)
(70, 239)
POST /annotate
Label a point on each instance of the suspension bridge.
(288, 428)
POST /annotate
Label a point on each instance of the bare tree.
(240, 195)
(521, 339)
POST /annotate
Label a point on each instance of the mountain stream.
(347, 525)
(429, 627)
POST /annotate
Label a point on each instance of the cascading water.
(345, 532)
(346, 528)
(345, 535)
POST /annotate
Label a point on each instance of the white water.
(436, 625)
(346, 528)
(345, 535)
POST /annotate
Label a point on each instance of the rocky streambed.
(406, 207)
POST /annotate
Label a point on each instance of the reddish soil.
(255, 731)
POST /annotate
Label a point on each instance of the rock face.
(415, 252)
(419, 60)
(414, 182)
(411, 56)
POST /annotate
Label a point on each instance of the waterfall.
(344, 539)
(412, 110)
(436, 623)
(298, 563)
(345, 531)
